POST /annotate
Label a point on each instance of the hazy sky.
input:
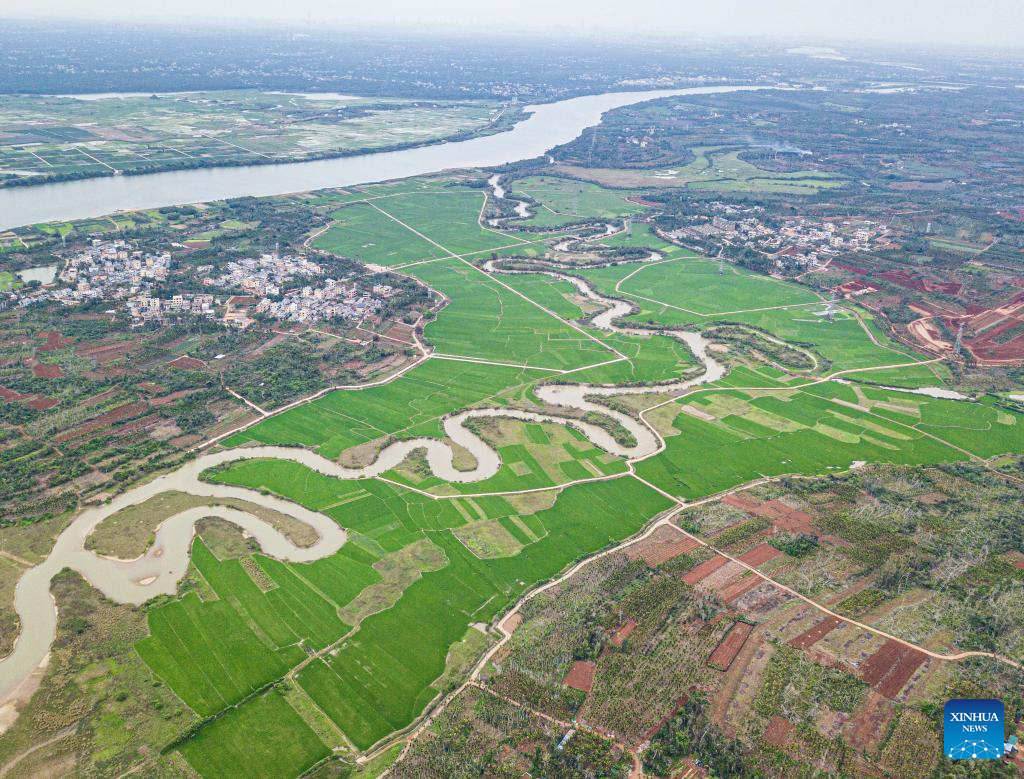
(974, 22)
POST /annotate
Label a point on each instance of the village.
(119, 271)
(796, 242)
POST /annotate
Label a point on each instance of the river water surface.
(549, 125)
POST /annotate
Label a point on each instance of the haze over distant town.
(938, 22)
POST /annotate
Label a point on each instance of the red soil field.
(400, 331)
(53, 340)
(41, 404)
(662, 545)
(743, 504)
(42, 370)
(11, 395)
(783, 518)
(663, 552)
(187, 363)
(855, 287)
(888, 669)
(581, 675)
(737, 588)
(106, 352)
(705, 569)
(102, 397)
(619, 636)
(810, 637)
(921, 285)
(852, 268)
(759, 555)
(870, 722)
(723, 654)
(163, 401)
(103, 420)
(778, 731)
(139, 424)
(717, 581)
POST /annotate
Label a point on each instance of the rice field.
(363, 638)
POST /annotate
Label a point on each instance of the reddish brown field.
(907, 281)
(759, 555)
(660, 547)
(739, 587)
(163, 401)
(187, 363)
(96, 400)
(139, 424)
(11, 395)
(42, 370)
(783, 518)
(105, 352)
(778, 731)
(581, 675)
(888, 669)
(870, 722)
(53, 340)
(702, 571)
(723, 654)
(42, 404)
(809, 638)
(104, 420)
(619, 636)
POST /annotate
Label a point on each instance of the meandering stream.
(161, 568)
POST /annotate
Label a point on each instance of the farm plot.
(450, 217)
(50, 135)
(564, 201)
(741, 435)
(213, 653)
(693, 294)
(265, 737)
(714, 168)
(843, 341)
(489, 321)
(410, 406)
(643, 236)
(552, 293)
(697, 286)
(363, 233)
(532, 456)
(373, 684)
(380, 517)
(653, 358)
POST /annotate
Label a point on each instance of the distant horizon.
(984, 25)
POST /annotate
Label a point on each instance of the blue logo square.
(973, 729)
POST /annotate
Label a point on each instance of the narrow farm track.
(13, 763)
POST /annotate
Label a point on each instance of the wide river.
(549, 125)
